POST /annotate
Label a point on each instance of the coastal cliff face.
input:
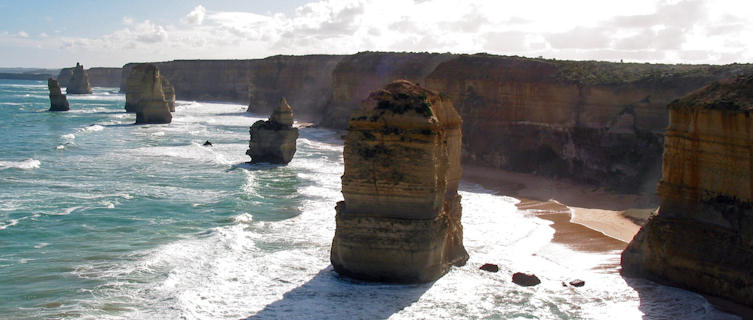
(145, 95)
(79, 81)
(169, 92)
(357, 75)
(273, 141)
(400, 221)
(702, 236)
(98, 77)
(596, 122)
(58, 102)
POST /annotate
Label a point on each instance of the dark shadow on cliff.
(665, 302)
(331, 296)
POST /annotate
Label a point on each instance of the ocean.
(102, 219)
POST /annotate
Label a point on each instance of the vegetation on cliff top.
(734, 94)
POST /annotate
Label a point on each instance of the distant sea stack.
(400, 221)
(79, 83)
(273, 141)
(169, 92)
(58, 102)
(702, 236)
(145, 95)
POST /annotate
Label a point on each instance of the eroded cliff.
(702, 236)
(79, 81)
(400, 220)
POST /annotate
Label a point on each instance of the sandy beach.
(584, 217)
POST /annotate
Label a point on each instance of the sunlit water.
(101, 219)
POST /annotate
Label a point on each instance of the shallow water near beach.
(101, 219)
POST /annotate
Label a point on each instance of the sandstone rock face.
(145, 96)
(357, 75)
(79, 83)
(400, 221)
(596, 122)
(273, 141)
(58, 102)
(169, 92)
(702, 236)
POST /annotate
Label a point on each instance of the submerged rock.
(525, 279)
(79, 82)
(273, 141)
(145, 95)
(702, 236)
(58, 102)
(400, 221)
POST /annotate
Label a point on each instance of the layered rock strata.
(400, 221)
(702, 236)
(273, 141)
(146, 97)
(79, 81)
(58, 102)
(98, 77)
(169, 92)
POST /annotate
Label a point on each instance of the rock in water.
(400, 221)
(79, 83)
(145, 95)
(577, 283)
(58, 102)
(702, 237)
(490, 267)
(525, 279)
(169, 92)
(273, 141)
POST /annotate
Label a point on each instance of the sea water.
(103, 219)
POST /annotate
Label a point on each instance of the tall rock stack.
(169, 92)
(145, 96)
(58, 102)
(400, 221)
(702, 237)
(273, 141)
(79, 83)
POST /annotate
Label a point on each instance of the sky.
(53, 34)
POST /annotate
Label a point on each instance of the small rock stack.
(145, 96)
(169, 92)
(400, 221)
(58, 102)
(274, 140)
(79, 83)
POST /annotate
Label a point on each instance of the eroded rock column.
(702, 237)
(79, 83)
(145, 95)
(58, 102)
(273, 141)
(400, 221)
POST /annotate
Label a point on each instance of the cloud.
(23, 34)
(196, 16)
(688, 31)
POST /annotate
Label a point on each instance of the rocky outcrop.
(145, 95)
(79, 81)
(702, 236)
(58, 102)
(595, 122)
(169, 92)
(400, 221)
(273, 141)
(357, 75)
(525, 279)
(98, 77)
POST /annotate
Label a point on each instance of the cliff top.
(733, 94)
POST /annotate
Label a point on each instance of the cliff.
(702, 236)
(98, 77)
(357, 75)
(145, 95)
(596, 122)
(58, 102)
(273, 141)
(400, 220)
(79, 81)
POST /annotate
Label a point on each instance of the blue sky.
(112, 33)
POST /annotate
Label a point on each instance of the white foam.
(92, 128)
(10, 223)
(69, 136)
(24, 164)
(60, 147)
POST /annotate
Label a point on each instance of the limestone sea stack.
(400, 221)
(169, 92)
(145, 96)
(58, 102)
(273, 141)
(79, 83)
(702, 237)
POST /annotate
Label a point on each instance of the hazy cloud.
(23, 34)
(196, 16)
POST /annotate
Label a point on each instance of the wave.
(23, 164)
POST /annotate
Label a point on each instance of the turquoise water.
(102, 219)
